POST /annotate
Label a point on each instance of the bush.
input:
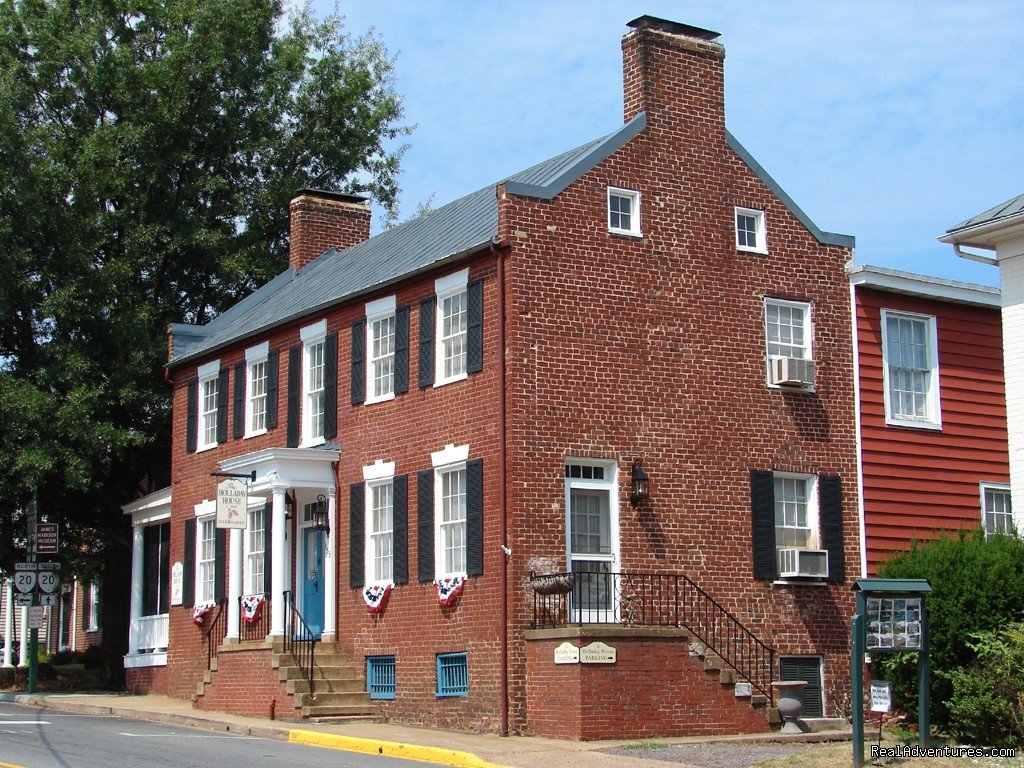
(987, 706)
(975, 588)
(62, 657)
(91, 657)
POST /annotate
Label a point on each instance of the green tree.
(148, 150)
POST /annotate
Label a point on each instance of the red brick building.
(626, 370)
(932, 409)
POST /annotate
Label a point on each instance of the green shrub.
(976, 587)
(987, 705)
(62, 657)
(90, 657)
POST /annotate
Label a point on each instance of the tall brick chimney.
(322, 220)
(674, 73)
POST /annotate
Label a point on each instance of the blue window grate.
(452, 674)
(380, 677)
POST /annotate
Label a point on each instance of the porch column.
(8, 621)
(278, 578)
(23, 648)
(138, 557)
(234, 582)
(330, 632)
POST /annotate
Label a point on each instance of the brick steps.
(729, 677)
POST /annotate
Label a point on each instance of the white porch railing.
(149, 633)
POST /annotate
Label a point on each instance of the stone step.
(352, 685)
(758, 700)
(712, 663)
(319, 712)
(349, 699)
(319, 672)
(727, 676)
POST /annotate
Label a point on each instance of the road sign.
(47, 538)
(47, 566)
(28, 599)
(47, 581)
(25, 581)
(35, 617)
(47, 599)
(26, 566)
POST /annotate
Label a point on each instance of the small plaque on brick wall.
(177, 583)
(597, 653)
(567, 653)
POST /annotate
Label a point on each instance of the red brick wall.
(140, 681)
(654, 688)
(920, 482)
(245, 684)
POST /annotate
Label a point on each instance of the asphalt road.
(44, 738)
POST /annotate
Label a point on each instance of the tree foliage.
(148, 151)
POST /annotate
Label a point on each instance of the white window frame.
(208, 380)
(446, 288)
(378, 475)
(984, 490)
(933, 417)
(312, 336)
(255, 356)
(94, 602)
(808, 331)
(451, 459)
(255, 558)
(633, 196)
(760, 230)
(205, 513)
(377, 311)
(812, 513)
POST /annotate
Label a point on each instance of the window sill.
(799, 583)
(381, 399)
(748, 249)
(312, 443)
(626, 233)
(254, 434)
(201, 448)
(452, 380)
(92, 629)
(805, 389)
(932, 425)
(450, 695)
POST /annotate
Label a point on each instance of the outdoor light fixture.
(290, 505)
(641, 484)
(321, 522)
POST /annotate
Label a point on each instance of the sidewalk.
(454, 748)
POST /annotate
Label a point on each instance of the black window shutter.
(808, 669)
(220, 557)
(238, 414)
(475, 517)
(331, 386)
(150, 569)
(192, 416)
(273, 364)
(165, 568)
(830, 506)
(401, 350)
(762, 508)
(475, 327)
(294, 377)
(425, 524)
(86, 601)
(427, 311)
(358, 361)
(356, 531)
(268, 546)
(188, 586)
(400, 529)
(222, 406)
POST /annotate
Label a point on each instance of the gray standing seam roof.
(458, 228)
(1002, 211)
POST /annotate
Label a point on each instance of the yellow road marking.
(9, 765)
(437, 755)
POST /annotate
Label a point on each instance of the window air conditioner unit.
(803, 563)
(792, 372)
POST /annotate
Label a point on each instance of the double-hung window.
(255, 550)
(380, 346)
(208, 400)
(910, 370)
(314, 345)
(257, 376)
(796, 511)
(750, 230)
(93, 616)
(452, 327)
(205, 559)
(788, 334)
(623, 211)
(379, 557)
(996, 510)
(450, 511)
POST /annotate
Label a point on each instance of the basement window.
(380, 677)
(452, 675)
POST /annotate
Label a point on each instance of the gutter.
(980, 258)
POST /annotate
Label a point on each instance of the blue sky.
(891, 121)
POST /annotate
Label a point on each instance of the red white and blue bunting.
(199, 612)
(252, 607)
(376, 595)
(448, 588)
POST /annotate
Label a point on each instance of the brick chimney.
(322, 220)
(674, 73)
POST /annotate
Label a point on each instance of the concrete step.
(758, 700)
(319, 712)
(352, 685)
(349, 699)
(340, 672)
(727, 676)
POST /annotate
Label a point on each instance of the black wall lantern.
(321, 521)
(641, 484)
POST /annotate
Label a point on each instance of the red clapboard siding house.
(931, 409)
(575, 453)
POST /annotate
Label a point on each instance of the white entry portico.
(306, 472)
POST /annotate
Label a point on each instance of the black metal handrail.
(256, 630)
(653, 599)
(299, 640)
(215, 633)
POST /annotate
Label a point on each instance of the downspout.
(499, 248)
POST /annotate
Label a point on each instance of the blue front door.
(313, 580)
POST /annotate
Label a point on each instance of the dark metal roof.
(905, 586)
(1005, 210)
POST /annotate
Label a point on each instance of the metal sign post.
(31, 518)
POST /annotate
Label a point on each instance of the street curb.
(423, 754)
